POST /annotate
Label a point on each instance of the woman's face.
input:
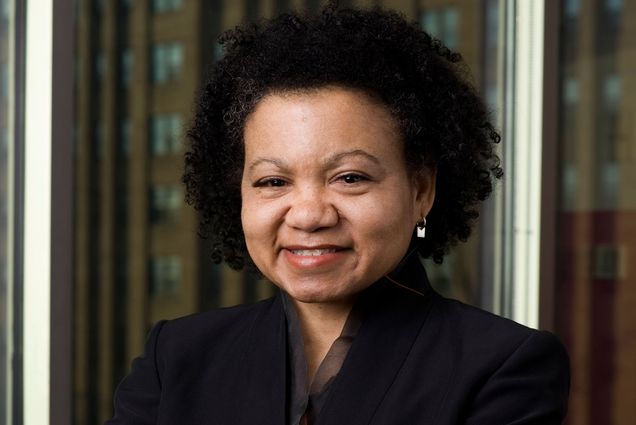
(328, 206)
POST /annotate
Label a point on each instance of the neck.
(321, 324)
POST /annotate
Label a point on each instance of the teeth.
(312, 252)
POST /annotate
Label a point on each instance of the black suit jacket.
(417, 359)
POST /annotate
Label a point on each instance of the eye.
(352, 178)
(271, 182)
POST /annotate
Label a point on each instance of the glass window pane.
(126, 67)
(166, 134)
(165, 203)
(165, 276)
(159, 72)
(125, 136)
(138, 258)
(596, 240)
(160, 6)
(167, 60)
(451, 27)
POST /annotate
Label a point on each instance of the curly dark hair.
(444, 123)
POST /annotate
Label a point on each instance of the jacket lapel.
(394, 314)
(265, 371)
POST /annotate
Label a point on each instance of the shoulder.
(503, 363)
(480, 329)
(205, 332)
(220, 317)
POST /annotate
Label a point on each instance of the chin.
(309, 296)
(318, 294)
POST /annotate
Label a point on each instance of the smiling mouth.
(312, 252)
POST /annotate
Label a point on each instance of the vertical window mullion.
(522, 302)
(47, 227)
(37, 207)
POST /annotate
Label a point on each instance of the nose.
(311, 210)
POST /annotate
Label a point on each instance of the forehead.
(330, 108)
(308, 128)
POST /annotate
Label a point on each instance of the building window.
(165, 132)
(442, 24)
(165, 276)
(614, 6)
(125, 137)
(165, 203)
(100, 140)
(100, 66)
(160, 6)
(572, 8)
(612, 91)
(218, 51)
(609, 186)
(126, 64)
(167, 61)
(570, 91)
(606, 261)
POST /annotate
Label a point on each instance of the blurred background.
(136, 256)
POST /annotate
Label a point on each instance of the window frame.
(47, 216)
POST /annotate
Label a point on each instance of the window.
(100, 140)
(594, 277)
(612, 91)
(165, 276)
(125, 137)
(151, 241)
(569, 150)
(167, 60)
(100, 66)
(606, 260)
(443, 24)
(125, 67)
(614, 6)
(571, 91)
(572, 8)
(218, 51)
(160, 6)
(450, 21)
(165, 134)
(165, 203)
(609, 186)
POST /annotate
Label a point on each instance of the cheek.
(395, 206)
(249, 218)
(384, 221)
(259, 221)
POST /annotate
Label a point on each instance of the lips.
(312, 252)
(314, 257)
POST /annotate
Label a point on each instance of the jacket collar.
(265, 368)
(394, 308)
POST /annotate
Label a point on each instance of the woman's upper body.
(417, 358)
(320, 144)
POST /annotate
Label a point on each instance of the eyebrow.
(258, 161)
(329, 163)
(334, 159)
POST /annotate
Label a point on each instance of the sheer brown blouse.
(306, 399)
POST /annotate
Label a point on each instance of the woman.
(329, 153)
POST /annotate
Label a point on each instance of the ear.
(425, 191)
